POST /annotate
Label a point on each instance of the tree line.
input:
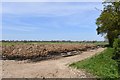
(84, 41)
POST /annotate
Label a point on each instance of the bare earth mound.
(33, 51)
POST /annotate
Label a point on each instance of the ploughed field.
(42, 51)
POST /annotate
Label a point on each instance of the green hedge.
(116, 46)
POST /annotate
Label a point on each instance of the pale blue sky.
(50, 20)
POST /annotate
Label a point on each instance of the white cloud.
(52, 0)
(44, 9)
(20, 28)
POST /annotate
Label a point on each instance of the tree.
(109, 21)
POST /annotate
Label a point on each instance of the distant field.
(15, 43)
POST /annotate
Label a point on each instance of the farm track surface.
(58, 68)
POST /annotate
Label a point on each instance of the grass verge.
(101, 65)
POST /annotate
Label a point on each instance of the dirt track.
(49, 69)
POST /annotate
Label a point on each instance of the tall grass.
(101, 65)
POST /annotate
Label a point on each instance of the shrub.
(116, 46)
